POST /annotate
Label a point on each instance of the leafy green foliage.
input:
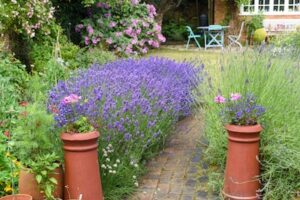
(254, 23)
(35, 134)
(273, 79)
(43, 168)
(88, 56)
(175, 31)
(288, 40)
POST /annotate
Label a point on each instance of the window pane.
(275, 1)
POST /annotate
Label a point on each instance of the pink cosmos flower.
(220, 99)
(235, 96)
(72, 98)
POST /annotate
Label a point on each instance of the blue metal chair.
(214, 36)
(192, 36)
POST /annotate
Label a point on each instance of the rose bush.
(27, 17)
(127, 27)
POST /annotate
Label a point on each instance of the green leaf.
(53, 180)
(44, 173)
(38, 178)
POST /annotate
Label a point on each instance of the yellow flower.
(8, 188)
(7, 154)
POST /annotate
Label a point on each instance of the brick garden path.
(174, 173)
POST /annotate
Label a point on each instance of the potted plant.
(241, 115)
(36, 145)
(9, 167)
(82, 172)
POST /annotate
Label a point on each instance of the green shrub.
(254, 23)
(290, 39)
(86, 57)
(259, 35)
(174, 31)
(275, 81)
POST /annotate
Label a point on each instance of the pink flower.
(135, 2)
(235, 96)
(134, 41)
(109, 41)
(90, 30)
(151, 10)
(112, 24)
(134, 22)
(86, 40)
(128, 49)
(157, 28)
(145, 24)
(145, 50)
(78, 27)
(161, 38)
(118, 34)
(220, 99)
(155, 44)
(128, 31)
(138, 31)
(95, 40)
(72, 98)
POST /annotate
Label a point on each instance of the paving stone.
(203, 179)
(190, 182)
(173, 174)
(202, 194)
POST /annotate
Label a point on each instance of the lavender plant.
(133, 103)
(240, 110)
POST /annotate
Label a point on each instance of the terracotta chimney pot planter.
(242, 166)
(82, 174)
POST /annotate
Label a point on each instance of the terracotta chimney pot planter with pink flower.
(242, 171)
(82, 174)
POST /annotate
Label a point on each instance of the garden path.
(176, 173)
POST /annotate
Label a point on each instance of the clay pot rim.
(80, 136)
(17, 195)
(244, 129)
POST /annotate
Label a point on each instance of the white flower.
(131, 163)
(114, 171)
(107, 159)
(115, 165)
(103, 166)
(110, 145)
(110, 171)
(136, 165)
(134, 177)
(14, 1)
(109, 167)
(118, 161)
(136, 184)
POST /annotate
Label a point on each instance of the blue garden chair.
(214, 37)
(192, 36)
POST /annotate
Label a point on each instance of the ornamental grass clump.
(133, 103)
(274, 80)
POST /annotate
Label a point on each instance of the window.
(278, 6)
(249, 7)
(264, 5)
(294, 5)
(271, 7)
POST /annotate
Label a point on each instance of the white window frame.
(271, 11)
